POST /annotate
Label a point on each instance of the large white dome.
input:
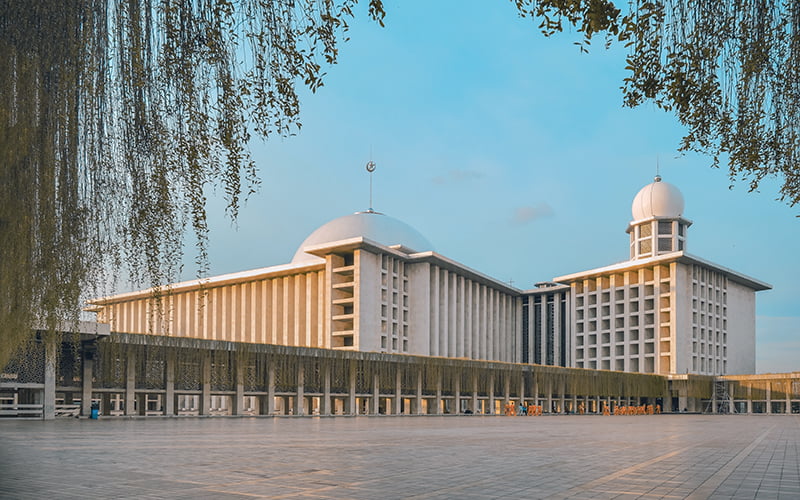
(371, 225)
(658, 199)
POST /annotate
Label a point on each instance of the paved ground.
(451, 457)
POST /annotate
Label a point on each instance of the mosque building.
(368, 318)
(369, 282)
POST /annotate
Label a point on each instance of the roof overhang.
(362, 243)
(682, 257)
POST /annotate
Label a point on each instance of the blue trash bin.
(95, 411)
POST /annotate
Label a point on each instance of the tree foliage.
(728, 69)
(117, 116)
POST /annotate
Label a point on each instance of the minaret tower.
(658, 226)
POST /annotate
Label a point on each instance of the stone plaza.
(369, 457)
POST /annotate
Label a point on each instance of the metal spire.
(370, 168)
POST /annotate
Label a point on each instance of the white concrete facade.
(357, 294)
(546, 329)
(670, 314)
(664, 311)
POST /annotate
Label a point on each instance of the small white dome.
(371, 225)
(658, 199)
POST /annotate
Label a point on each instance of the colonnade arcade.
(150, 375)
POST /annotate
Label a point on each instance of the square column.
(769, 397)
(205, 383)
(491, 393)
(351, 408)
(86, 383)
(238, 374)
(376, 394)
(457, 394)
(270, 406)
(169, 403)
(398, 390)
(506, 388)
(438, 394)
(130, 383)
(299, 400)
(749, 399)
(49, 396)
(474, 402)
(326, 390)
(418, 397)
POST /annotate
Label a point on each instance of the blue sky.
(511, 153)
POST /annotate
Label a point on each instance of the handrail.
(21, 410)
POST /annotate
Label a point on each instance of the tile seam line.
(619, 473)
(707, 488)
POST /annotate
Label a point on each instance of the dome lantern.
(658, 226)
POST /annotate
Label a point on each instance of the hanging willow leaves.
(116, 118)
(728, 69)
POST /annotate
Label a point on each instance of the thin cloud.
(457, 176)
(527, 214)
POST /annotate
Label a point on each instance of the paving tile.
(428, 457)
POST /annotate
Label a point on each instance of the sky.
(510, 152)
